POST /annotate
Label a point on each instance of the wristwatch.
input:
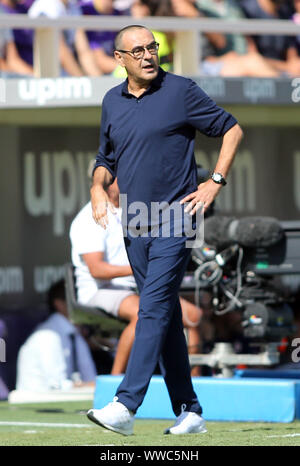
(218, 178)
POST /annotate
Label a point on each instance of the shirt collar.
(61, 322)
(155, 84)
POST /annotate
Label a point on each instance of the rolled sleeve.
(204, 114)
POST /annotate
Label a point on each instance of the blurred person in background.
(12, 55)
(287, 9)
(72, 46)
(104, 6)
(76, 57)
(5, 38)
(103, 274)
(279, 51)
(144, 8)
(101, 42)
(55, 356)
(295, 40)
(104, 278)
(225, 9)
(295, 16)
(225, 54)
(23, 38)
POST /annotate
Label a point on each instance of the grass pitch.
(66, 424)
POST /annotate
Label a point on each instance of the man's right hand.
(100, 201)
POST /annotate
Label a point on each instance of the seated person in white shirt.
(55, 356)
(104, 277)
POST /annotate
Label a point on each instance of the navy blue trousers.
(158, 265)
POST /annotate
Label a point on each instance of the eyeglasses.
(139, 52)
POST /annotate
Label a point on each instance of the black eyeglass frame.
(131, 52)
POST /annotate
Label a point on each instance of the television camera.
(251, 265)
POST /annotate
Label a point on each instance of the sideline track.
(44, 424)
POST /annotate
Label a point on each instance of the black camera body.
(252, 265)
(270, 322)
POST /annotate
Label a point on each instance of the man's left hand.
(202, 198)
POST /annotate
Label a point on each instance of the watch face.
(217, 177)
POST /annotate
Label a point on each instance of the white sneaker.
(115, 416)
(187, 423)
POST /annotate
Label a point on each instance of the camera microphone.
(221, 231)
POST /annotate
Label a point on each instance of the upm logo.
(45, 90)
(257, 89)
(56, 184)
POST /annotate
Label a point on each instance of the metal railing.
(187, 50)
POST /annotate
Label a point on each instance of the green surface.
(146, 432)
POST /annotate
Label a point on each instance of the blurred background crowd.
(90, 53)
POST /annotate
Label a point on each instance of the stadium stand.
(224, 35)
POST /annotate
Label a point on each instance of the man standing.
(147, 140)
